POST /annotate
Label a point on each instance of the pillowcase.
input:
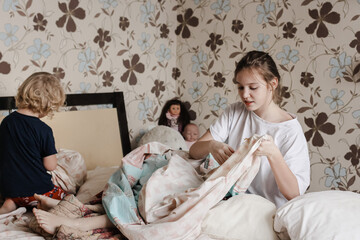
(245, 216)
(330, 214)
(70, 172)
(95, 183)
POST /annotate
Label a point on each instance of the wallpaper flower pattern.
(154, 50)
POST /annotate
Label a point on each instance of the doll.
(175, 115)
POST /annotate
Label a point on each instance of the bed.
(101, 136)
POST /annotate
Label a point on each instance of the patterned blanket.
(162, 194)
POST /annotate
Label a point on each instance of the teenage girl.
(285, 167)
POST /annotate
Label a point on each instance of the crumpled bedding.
(161, 194)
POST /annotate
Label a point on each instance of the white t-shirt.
(237, 123)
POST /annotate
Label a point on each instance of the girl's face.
(174, 109)
(254, 91)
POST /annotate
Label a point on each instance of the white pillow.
(95, 182)
(245, 216)
(330, 214)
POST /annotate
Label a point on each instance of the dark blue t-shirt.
(24, 142)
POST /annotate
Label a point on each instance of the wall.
(156, 50)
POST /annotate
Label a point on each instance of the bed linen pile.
(158, 194)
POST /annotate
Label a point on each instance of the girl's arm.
(206, 144)
(50, 162)
(285, 179)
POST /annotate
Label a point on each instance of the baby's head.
(41, 93)
(191, 132)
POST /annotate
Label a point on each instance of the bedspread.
(174, 198)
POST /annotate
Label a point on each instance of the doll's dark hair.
(184, 117)
(265, 65)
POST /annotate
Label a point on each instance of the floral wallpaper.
(154, 50)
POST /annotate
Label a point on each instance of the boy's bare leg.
(49, 222)
(45, 202)
(8, 206)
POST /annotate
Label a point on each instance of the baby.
(191, 134)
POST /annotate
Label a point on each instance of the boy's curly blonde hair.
(41, 93)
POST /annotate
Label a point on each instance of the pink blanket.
(176, 198)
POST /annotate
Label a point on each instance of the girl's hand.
(220, 151)
(268, 148)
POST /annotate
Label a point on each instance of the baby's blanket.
(172, 201)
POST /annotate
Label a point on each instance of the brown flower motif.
(164, 31)
(284, 92)
(306, 79)
(322, 16)
(219, 80)
(185, 20)
(215, 39)
(73, 11)
(192, 113)
(175, 73)
(237, 26)
(108, 79)
(124, 23)
(102, 37)
(5, 67)
(132, 66)
(320, 124)
(353, 155)
(289, 30)
(59, 72)
(159, 87)
(356, 42)
(40, 22)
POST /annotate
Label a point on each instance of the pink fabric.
(176, 199)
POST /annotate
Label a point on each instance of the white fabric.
(245, 216)
(330, 214)
(237, 123)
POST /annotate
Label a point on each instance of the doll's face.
(191, 132)
(174, 109)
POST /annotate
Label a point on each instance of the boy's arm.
(50, 162)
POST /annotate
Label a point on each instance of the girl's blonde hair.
(41, 93)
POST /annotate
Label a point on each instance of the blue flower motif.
(264, 11)
(10, 4)
(261, 45)
(144, 108)
(288, 55)
(139, 136)
(39, 49)
(84, 87)
(338, 65)
(9, 36)
(85, 59)
(220, 6)
(218, 102)
(198, 1)
(144, 41)
(163, 53)
(334, 101)
(356, 114)
(198, 61)
(146, 11)
(195, 91)
(109, 3)
(334, 175)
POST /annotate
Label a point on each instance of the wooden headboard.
(101, 135)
